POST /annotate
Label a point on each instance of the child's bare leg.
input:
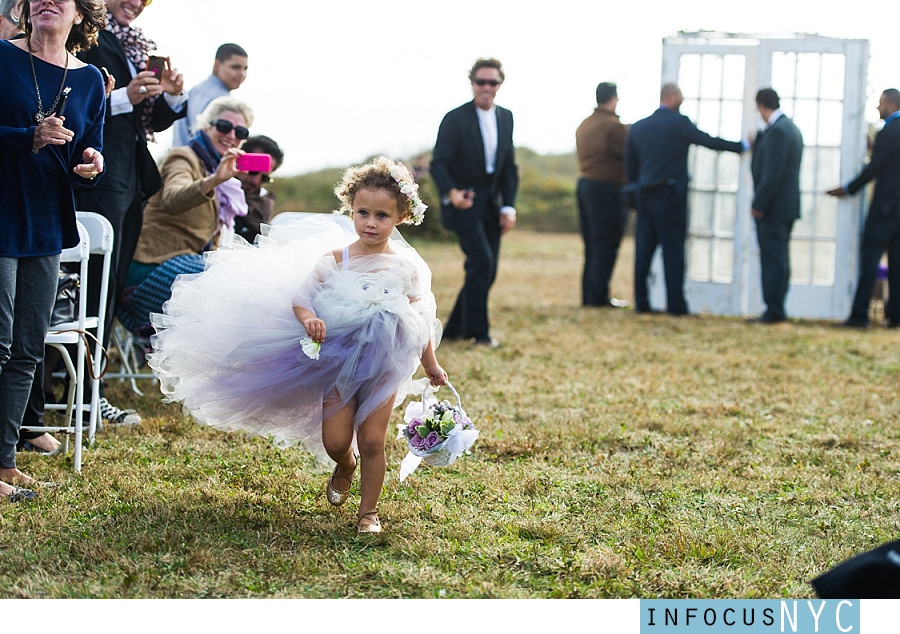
(370, 438)
(337, 436)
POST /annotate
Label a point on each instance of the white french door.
(821, 82)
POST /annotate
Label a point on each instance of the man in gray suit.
(776, 200)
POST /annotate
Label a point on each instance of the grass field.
(620, 455)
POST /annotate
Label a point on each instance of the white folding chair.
(100, 232)
(128, 362)
(69, 333)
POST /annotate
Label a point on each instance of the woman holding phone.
(199, 199)
(43, 153)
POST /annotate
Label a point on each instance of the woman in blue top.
(51, 124)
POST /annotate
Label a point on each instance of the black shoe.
(853, 322)
(647, 311)
(767, 319)
(487, 342)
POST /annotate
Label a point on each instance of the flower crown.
(408, 186)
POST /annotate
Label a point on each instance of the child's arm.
(435, 372)
(315, 327)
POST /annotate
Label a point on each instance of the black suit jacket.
(658, 146)
(124, 145)
(776, 171)
(458, 162)
(885, 166)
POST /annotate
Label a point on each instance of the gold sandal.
(335, 497)
(368, 522)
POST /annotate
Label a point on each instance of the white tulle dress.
(228, 345)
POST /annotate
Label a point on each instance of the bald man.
(656, 166)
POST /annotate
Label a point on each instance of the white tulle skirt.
(229, 347)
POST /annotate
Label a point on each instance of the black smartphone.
(157, 65)
(105, 74)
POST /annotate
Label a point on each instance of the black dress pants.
(881, 233)
(661, 221)
(481, 245)
(774, 261)
(603, 218)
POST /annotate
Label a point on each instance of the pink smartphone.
(250, 162)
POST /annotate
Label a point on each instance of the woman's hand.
(143, 85)
(227, 168)
(51, 132)
(93, 164)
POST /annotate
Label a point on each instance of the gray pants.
(27, 294)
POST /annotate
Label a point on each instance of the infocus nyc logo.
(797, 616)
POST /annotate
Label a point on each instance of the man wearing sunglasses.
(475, 171)
(260, 201)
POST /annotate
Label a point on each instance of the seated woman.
(199, 200)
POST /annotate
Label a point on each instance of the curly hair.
(488, 62)
(82, 36)
(376, 174)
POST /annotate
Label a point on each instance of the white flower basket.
(459, 439)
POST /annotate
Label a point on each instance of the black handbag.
(65, 307)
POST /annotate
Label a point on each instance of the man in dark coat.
(882, 230)
(140, 104)
(474, 168)
(776, 200)
(656, 166)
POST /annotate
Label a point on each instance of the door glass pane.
(729, 167)
(828, 167)
(689, 76)
(784, 73)
(824, 254)
(800, 273)
(702, 212)
(733, 80)
(699, 259)
(711, 77)
(808, 75)
(808, 169)
(803, 227)
(689, 109)
(708, 118)
(723, 258)
(832, 76)
(704, 174)
(725, 213)
(826, 216)
(732, 124)
(831, 118)
(806, 118)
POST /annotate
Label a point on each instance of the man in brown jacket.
(600, 142)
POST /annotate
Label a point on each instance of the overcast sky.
(336, 81)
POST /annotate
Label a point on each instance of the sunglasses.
(487, 82)
(224, 127)
(266, 178)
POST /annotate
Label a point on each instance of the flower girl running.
(284, 342)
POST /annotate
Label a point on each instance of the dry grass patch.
(620, 455)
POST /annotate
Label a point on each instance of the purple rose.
(417, 442)
(411, 428)
(432, 439)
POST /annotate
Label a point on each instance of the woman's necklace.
(40, 115)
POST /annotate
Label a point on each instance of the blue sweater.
(37, 207)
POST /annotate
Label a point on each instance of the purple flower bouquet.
(436, 432)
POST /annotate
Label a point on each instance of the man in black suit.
(776, 200)
(882, 229)
(656, 166)
(141, 103)
(474, 168)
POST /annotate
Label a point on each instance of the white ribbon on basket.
(458, 440)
